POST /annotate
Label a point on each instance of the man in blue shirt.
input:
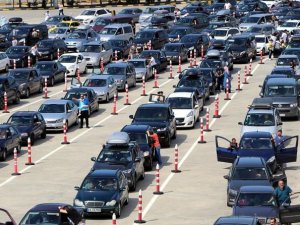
(279, 138)
(282, 193)
(84, 110)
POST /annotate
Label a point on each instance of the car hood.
(45, 73)
(140, 41)
(156, 124)
(24, 128)
(98, 89)
(44, 49)
(269, 129)
(190, 44)
(140, 70)
(237, 184)
(84, 17)
(237, 48)
(118, 77)
(105, 196)
(172, 53)
(181, 112)
(257, 211)
(264, 153)
(57, 35)
(111, 166)
(247, 25)
(53, 116)
(67, 65)
(107, 37)
(284, 100)
(75, 40)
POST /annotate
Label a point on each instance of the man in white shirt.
(227, 5)
(284, 36)
(14, 42)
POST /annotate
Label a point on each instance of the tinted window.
(127, 29)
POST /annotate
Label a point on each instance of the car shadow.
(293, 168)
(96, 113)
(3, 164)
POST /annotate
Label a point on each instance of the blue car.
(237, 220)
(102, 192)
(10, 138)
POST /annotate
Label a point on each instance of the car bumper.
(72, 48)
(98, 211)
(120, 86)
(163, 136)
(185, 122)
(238, 58)
(54, 126)
(101, 97)
(288, 112)
(139, 77)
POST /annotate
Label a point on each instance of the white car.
(89, 15)
(261, 44)
(225, 32)
(289, 25)
(185, 107)
(4, 62)
(73, 62)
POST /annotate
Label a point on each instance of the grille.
(281, 105)
(51, 121)
(179, 120)
(94, 203)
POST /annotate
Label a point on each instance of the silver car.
(104, 86)
(142, 69)
(94, 51)
(55, 111)
(59, 32)
(78, 38)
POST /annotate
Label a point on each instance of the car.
(149, 11)
(246, 7)
(58, 111)
(192, 22)
(289, 25)
(101, 22)
(28, 80)
(4, 62)
(261, 44)
(175, 50)
(258, 144)
(261, 116)
(161, 117)
(54, 213)
(160, 18)
(18, 55)
(78, 38)
(283, 70)
(250, 171)
(71, 25)
(29, 124)
(134, 13)
(142, 69)
(254, 20)
(209, 77)
(51, 48)
(291, 51)
(102, 191)
(237, 220)
(226, 18)
(8, 84)
(177, 33)
(286, 60)
(53, 71)
(88, 16)
(121, 47)
(186, 108)
(54, 20)
(121, 153)
(294, 42)
(261, 29)
(60, 32)
(196, 41)
(161, 61)
(117, 31)
(225, 32)
(73, 62)
(75, 93)
(263, 87)
(95, 51)
(10, 139)
(284, 95)
(123, 73)
(138, 133)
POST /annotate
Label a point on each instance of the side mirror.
(226, 177)
(79, 60)
(93, 159)
(240, 123)
(261, 94)
(131, 117)
(76, 188)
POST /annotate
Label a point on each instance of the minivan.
(254, 20)
(158, 38)
(117, 31)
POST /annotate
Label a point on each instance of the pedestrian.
(132, 51)
(279, 138)
(273, 221)
(156, 145)
(34, 53)
(233, 144)
(227, 79)
(275, 21)
(84, 110)
(227, 5)
(219, 78)
(270, 47)
(282, 193)
(61, 10)
(47, 15)
(284, 36)
(177, 13)
(14, 41)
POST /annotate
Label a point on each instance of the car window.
(127, 29)
(101, 12)
(12, 131)
(119, 31)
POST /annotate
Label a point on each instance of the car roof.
(152, 30)
(95, 43)
(136, 128)
(45, 62)
(23, 69)
(181, 95)
(97, 77)
(137, 59)
(57, 101)
(117, 25)
(260, 35)
(103, 173)
(73, 53)
(25, 113)
(235, 220)
(298, 21)
(282, 68)
(257, 189)
(175, 43)
(226, 28)
(260, 15)
(263, 111)
(255, 134)
(54, 207)
(249, 162)
(286, 81)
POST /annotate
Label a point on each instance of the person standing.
(156, 145)
(227, 5)
(273, 221)
(47, 15)
(270, 48)
(279, 138)
(282, 193)
(61, 10)
(84, 110)
(34, 53)
(14, 41)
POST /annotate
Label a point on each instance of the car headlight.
(232, 192)
(294, 105)
(190, 114)
(59, 120)
(24, 134)
(146, 154)
(77, 202)
(162, 129)
(271, 160)
(111, 203)
(127, 171)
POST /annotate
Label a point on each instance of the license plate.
(93, 210)
(281, 114)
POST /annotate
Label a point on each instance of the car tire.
(149, 164)
(51, 83)
(127, 200)
(27, 93)
(254, 56)
(97, 108)
(107, 98)
(32, 139)
(17, 99)
(41, 88)
(247, 59)
(85, 70)
(4, 155)
(134, 84)
(168, 142)
(1, 104)
(118, 210)
(18, 147)
(133, 187)
(44, 134)
(263, 51)
(6, 68)
(142, 177)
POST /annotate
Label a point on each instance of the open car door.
(158, 98)
(287, 150)
(290, 213)
(224, 152)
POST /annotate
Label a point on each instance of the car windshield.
(237, 42)
(259, 119)
(44, 66)
(290, 24)
(286, 72)
(220, 33)
(99, 184)
(42, 217)
(45, 44)
(172, 48)
(210, 63)
(180, 103)
(255, 30)
(256, 143)
(138, 64)
(260, 39)
(144, 35)
(147, 55)
(150, 10)
(74, 95)
(115, 155)
(190, 82)
(151, 114)
(256, 199)
(19, 75)
(280, 91)
(67, 59)
(94, 83)
(126, 11)
(52, 108)
(287, 61)
(179, 32)
(109, 31)
(58, 31)
(118, 43)
(188, 39)
(114, 70)
(54, 19)
(20, 120)
(77, 35)
(91, 48)
(249, 174)
(88, 13)
(16, 50)
(140, 138)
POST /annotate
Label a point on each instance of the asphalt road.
(195, 196)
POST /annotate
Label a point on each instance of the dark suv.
(159, 116)
(48, 48)
(243, 47)
(9, 85)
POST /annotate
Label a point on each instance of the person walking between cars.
(61, 10)
(14, 41)
(282, 193)
(34, 53)
(270, 48)
(84, 110)
(47, 15)
(156, 145)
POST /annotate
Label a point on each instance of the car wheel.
(168, 142)
(1, 104)
(97, 107)
(263, 51)
(51, 57)
(107, 98)
(67, 126)
(85, 70)
(149, 164)
(27, 93)
(142, 177)
(41, 88)
(51, 83)
(254, 56)
(127, 200)
(18, 147)
(32, 139)
(175, 134)
(44, 134)
(133, 187)
(134, 84)
(118, 211)
(6, 68)
(194, 123)
(4, 155)
(117, 94)
(17, 99)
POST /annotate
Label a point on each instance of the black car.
(121, 46)
(247, 6)
(121, 153)
(208, 75)
(196, 41)
(178, 32)
(191, 21)
(18, 54)
(237, 220)
(75, 93)
(294, 42)
(54, 213)
(102, 191)
(51, 48)
(138, 133)
(9, 85)
(159, 56)
(175, 50)
(287, 70)
(159, 116)
(53, 71)
(250, 171)
(29, 124)
(10, 138)
(29, 81)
